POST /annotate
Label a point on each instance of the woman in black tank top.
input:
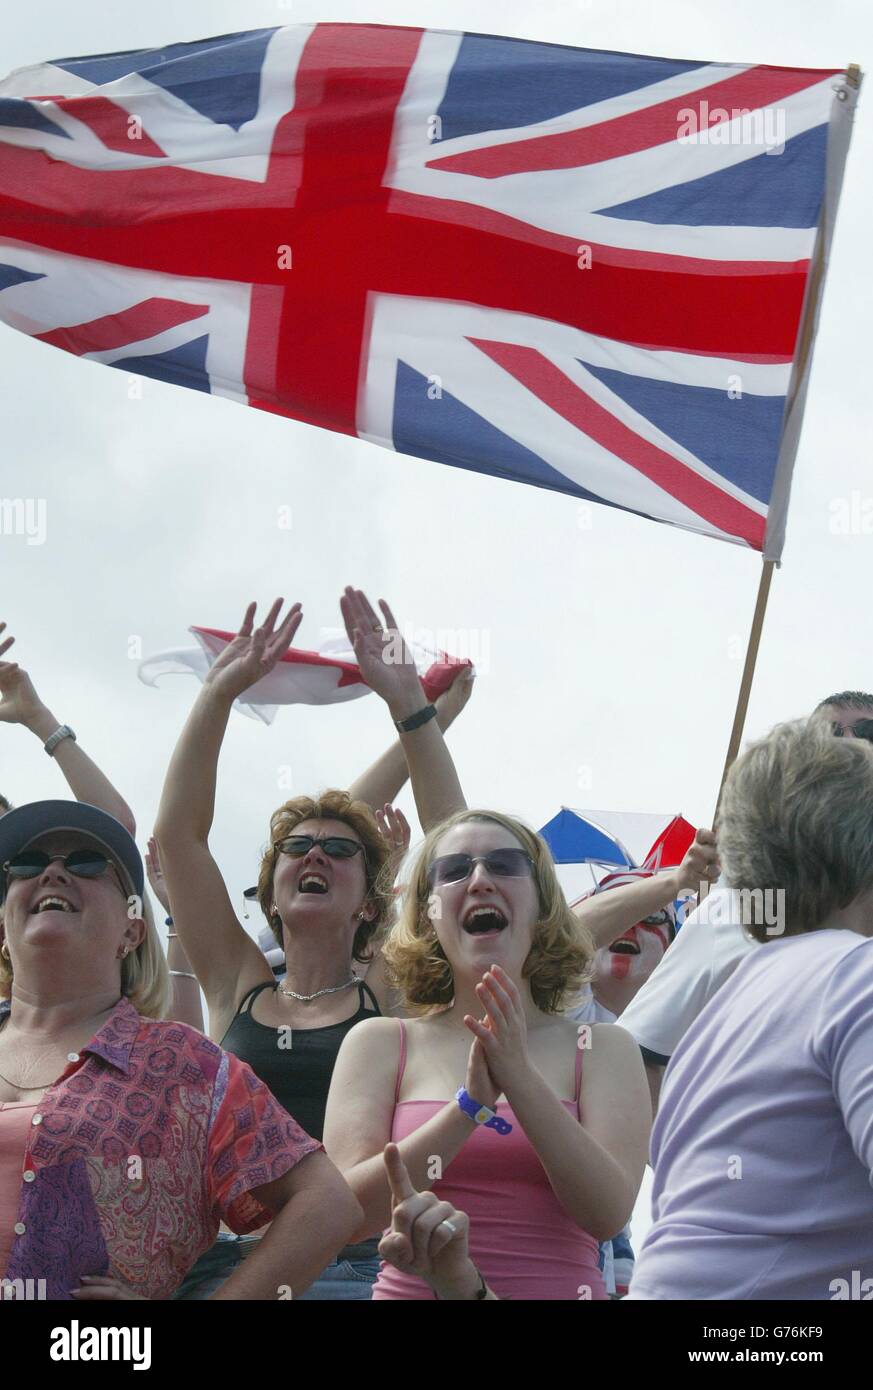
(301, 1082)
(324, 887)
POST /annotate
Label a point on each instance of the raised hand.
(382, 655)
(453, 700)
(427, 1237)
(701, 863)
(395, 831)
(254, 651)
(20, 703)
(156, 874)
(503, 1033)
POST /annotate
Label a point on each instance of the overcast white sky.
(614, 652)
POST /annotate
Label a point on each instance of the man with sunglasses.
(103, 1104)
(713, 940)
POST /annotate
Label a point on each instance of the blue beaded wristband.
(481, 1113)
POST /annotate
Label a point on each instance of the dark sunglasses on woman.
(335, 846)
(82, 863)
(500, 863)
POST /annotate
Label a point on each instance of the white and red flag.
(328, 676)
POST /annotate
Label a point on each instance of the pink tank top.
(15, 1117)
(521, 1239)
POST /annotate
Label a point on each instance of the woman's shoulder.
(376, 1035)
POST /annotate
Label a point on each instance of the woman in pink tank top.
(545, 1145)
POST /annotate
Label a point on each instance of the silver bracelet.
(185, 974)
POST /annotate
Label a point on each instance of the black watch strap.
(415, 721)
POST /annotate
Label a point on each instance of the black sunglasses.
(83, 863)
(863, 728)
(501, 863)
(335, 846)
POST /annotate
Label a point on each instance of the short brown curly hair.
(561, 956)
(334, 805)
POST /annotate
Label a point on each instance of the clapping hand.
(502, 1035)
(254, 651)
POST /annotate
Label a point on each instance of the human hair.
(5, 805)
(797, 815)
(333, 805)
(145, 979)
(561, 956)
(847, 699)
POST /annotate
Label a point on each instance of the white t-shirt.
(706, 952)
(585, 1009)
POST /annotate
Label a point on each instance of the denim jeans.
(348, 1278)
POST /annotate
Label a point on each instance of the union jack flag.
(584, 270)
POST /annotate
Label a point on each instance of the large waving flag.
(588, 271)
(328, 676)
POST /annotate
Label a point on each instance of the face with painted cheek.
(486, 918)
(623, 968)
(315, 891)
(57, 909)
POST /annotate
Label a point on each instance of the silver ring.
(452, 1228)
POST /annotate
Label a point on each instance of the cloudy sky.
(610, 653)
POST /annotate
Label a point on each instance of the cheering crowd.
(440, 1088)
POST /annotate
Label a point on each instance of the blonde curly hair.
(334, 805)
(561, 956)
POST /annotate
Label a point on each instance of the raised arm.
(384, 779)
(185, 1005)
(390, 671)
(22, 705)
(222, 954)
(608, 915)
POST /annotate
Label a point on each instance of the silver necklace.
(307, 998)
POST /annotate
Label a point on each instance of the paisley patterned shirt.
(149, 1139)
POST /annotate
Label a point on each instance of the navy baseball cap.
(20, 827)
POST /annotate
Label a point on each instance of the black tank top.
(299, 1075)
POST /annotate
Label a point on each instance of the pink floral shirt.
(150, 1138)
